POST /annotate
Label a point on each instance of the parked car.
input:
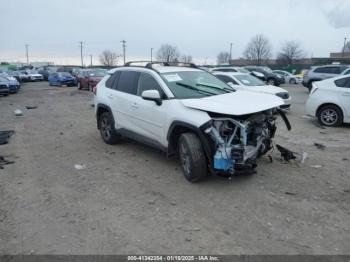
(189, 112)
(46, 71)
(4, 87)
(34, 75)
(289, 77)
(247, 82)
(329, 101)
(89, 78)
(318, 73)
(271, 77)
(20, 77)
(13, 84)
(73, 70)
(61, 78)
(236, 69)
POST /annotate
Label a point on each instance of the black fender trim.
(199, 131)
(98, 108)
(285, 119)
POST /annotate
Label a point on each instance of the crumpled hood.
(235, 103)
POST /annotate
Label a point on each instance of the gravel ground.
(131, 199)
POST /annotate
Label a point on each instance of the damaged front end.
(237, 141)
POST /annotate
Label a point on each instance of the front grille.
(283, 95)
(3, 87)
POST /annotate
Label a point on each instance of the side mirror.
(152, 95)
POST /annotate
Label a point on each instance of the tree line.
(257, 51)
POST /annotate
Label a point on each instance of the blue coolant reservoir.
(221, 161)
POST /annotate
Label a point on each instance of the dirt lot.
(131, 199)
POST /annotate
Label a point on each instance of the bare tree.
(186, 59)
(223, 58)
(108, 58)
(168, 53)
(258, 49)
(290, 51)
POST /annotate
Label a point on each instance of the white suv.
(187, 111)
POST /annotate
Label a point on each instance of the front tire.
(292, 81)
(107, 130)
(192, 158)
(330, 115)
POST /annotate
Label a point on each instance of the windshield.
(98, 73)
(194, 84)
(266, 69)
(249, 80)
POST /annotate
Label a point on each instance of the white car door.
(148, 117)
(343, 88)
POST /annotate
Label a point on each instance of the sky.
(200, 28)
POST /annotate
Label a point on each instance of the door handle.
(135, 105)
(346, 94)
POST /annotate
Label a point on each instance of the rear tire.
(292, 81)
(192, 158)
(330, 115)
(107, 130)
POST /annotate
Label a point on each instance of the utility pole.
(151, 54)
(81, 54)
(342, 55)
(124, 46)
(27, 53)
(90, 60)
(230, 52)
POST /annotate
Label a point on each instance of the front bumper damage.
(237, 142)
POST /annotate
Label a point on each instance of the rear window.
(343, 82)
(128, 82)
(112, 79)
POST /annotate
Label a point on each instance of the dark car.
(4, 87)
(12, 83)
(270, 77)
(89, 78)
(62, 78)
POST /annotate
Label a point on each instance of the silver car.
(318, 73)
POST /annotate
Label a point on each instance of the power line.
(124, 46)
(27, 55)
(81, 54)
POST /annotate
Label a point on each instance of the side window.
(343, 82)
(328, 70)
(148, 82)
(128, 81)
(347, 72)
(112, 79)
(226, 79)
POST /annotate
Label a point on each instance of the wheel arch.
(101, 108)
(330, 104)
(177, 128)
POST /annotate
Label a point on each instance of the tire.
(309, 86)
(108, 133)
(292, 81)
(271, 81)
(192, 158)
(330, 115)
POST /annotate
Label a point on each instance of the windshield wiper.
(218, 88)
(193, 88)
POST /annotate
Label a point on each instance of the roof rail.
(149, 64)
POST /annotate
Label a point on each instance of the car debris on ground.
(79, 166)
(31, 107)
(320, 146)
(5, 136)
(4, 161)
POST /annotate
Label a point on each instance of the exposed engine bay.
(239, 141)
